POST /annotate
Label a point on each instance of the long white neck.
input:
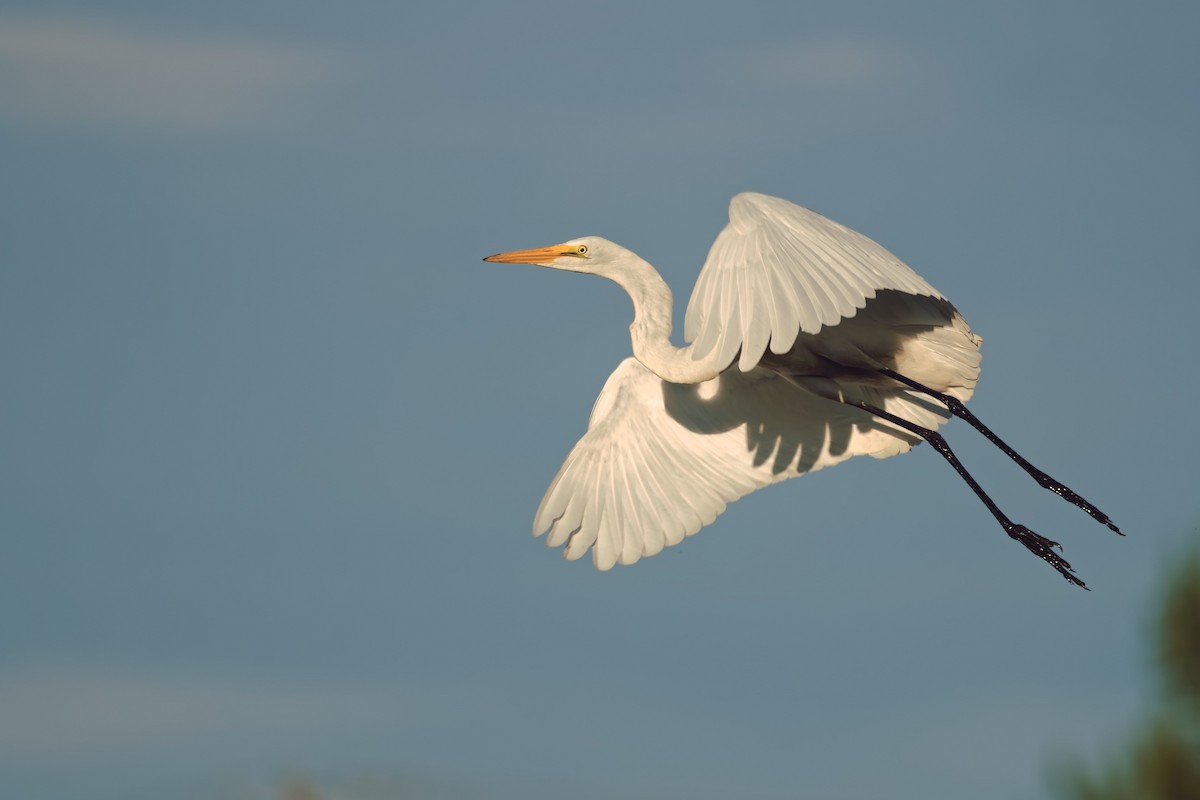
(651, 328)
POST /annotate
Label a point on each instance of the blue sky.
(272, 435)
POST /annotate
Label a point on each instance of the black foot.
(1046, 482)
(1043, 548)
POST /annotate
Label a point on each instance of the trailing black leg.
(956, 407)
(1040, 546)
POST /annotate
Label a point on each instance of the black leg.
(956, 407)
(1038, 545)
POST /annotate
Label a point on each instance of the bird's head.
(589, 254)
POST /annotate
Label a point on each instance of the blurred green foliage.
(1162, 762)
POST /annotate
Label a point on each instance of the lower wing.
(660, 460)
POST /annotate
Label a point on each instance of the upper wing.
(661, 460)
(778, 269)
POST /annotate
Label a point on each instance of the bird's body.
(808, 343)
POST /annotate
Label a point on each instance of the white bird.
(809, 344)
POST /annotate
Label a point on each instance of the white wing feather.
(660, 460)
(778, 269)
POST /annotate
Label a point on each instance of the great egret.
(841, 350)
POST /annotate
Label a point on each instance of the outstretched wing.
(778, 269)
(661, 460)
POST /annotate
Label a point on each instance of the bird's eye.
(581, 250)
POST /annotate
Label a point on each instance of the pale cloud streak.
(838, 63)
(86, 72)
(54, 713)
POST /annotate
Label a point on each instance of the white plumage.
(841, 350)
(778, 269)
